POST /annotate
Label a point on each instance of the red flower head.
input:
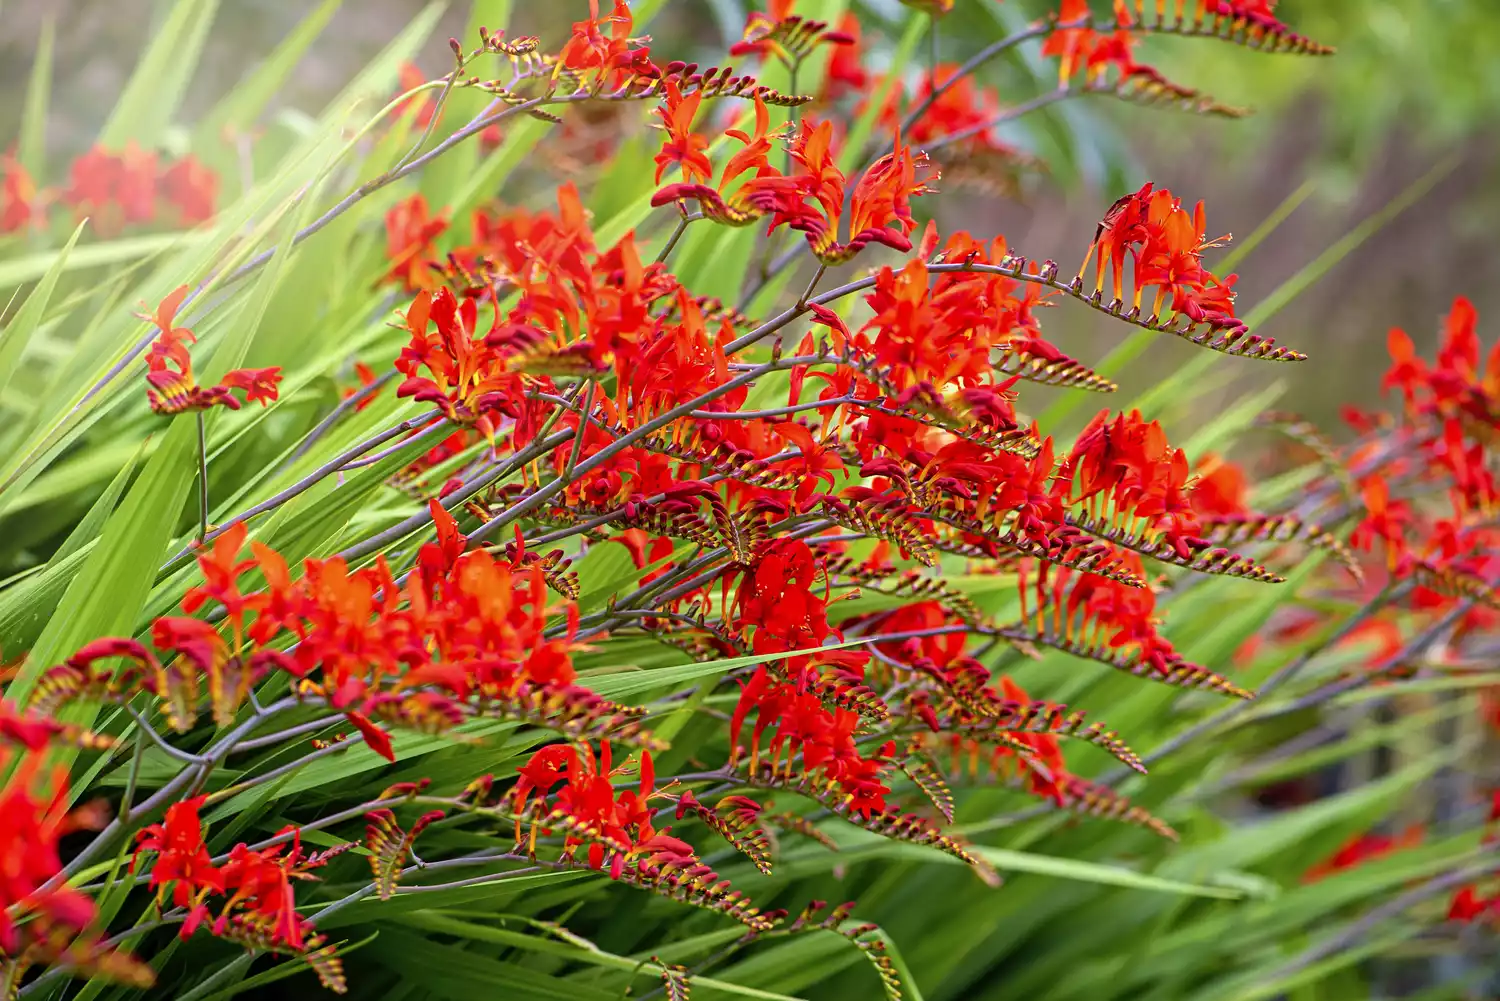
(603, 46)
(171, 388)
(182, 861)
(683, 146)
(34, 816)
(20, 203)
(192, 189)
(409, 236)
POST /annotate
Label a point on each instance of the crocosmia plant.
(651, 534)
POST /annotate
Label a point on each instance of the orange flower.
(409, 236)
(683, 145)
(171, 388)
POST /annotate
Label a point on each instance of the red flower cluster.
(171, 388)
(789, 37)
(20, 202)
(463, 637)
(115, 190)
(1451, 413)
(1165, 244)
(259, 907)
(615, 822)
(1469, 904)
(811, 199)
(126, 188)
(792, 722)
(43, 920)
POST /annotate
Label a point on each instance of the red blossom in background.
(20, 202)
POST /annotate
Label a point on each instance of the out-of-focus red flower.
(412, 77)
(20, 202)
(410, 233)
(192, 189)
(1362, 848)
(34, 816)
(845, 71)
(115, 189)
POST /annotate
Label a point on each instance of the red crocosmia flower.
(961, 106)
(1385, 520)
(790, 724)
(1469, 906)
(881, 196)
(410, 233)
(114, 189)
(34, 731)
(222, 569)
(20, 203)
(192, 189)
(615, 825)
(683, 147)
(1075, 46)
(366, 376)
(375, 738)
(171, 388)
(603, 46)
(182, 861)
(412, 77)
(258, 384)
(1221, 490)
(34, 816)
(845, 72)
(1362, 848)
(260, 886)
(776, 31)
(1407, 371)
(468, 375)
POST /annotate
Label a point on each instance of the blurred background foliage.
(1415, 85)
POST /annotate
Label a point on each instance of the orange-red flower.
(410, 234)
(1363, 848)
(171, 388)
(811, 198)
(1165, 244)
(20, 202)
(683, 147)
(602, 46)
(776, 31)
(115, 189)
(192, 189)
(182, 860)
(34, 816)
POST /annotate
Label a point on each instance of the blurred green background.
(1416, 83)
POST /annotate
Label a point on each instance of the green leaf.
(154, 91)
(32, 147)
(17, 335)
(245, 102)
(28, 268)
